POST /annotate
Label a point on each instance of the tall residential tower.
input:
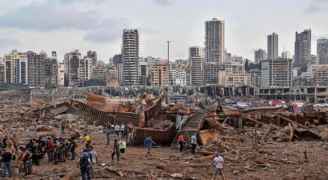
(259, 55)
(196, 62)
(302, 48)
(272, 48)
(322, 50)
(214, 48)
(130, 56)
(72, 64)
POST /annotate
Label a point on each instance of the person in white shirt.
(117, 129)
(122, 128)
(217, 163)
(193, 142)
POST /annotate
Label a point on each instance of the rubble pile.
(258, 139)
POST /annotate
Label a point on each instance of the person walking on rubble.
(85, 165)
(6, 158)
(116, 151)
(33, 147)
(50, 149)
(217, 164)
(122, 129)
(181, 141)
(117, 130)
(26, 160)
(72, 147)
(148, 144)
(108, 132)
(193, 142)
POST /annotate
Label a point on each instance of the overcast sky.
(65, 25)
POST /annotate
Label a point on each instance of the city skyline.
(89, 25)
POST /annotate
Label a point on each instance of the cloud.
(164, 2)
(102, 36)
(317, 6)
(87, 1)
(45, 17)
(6, 42)
(42, 17)
(109, 30)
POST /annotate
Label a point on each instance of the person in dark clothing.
(85, 165)
(108, 131)
(4, 142)
(26, 158)
(29, 146)
(67, 149)
(6, 158)
(42, 147)
(61, 152)
(72, 147)
(35, 153)
(116, 151)
(50, 150)
(126, 132)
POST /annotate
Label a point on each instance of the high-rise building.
(143, 72)
(272, 47)
(36, 70)
(42, 70)
(227, 57)
(160, 74)
(286, 55)
(276, 73)
(314, 59)
(320, 74)
(214, 41)
(85, 69)
(259, 55)
(2, 71)
(16, 68)
(172, 73)
(196, 60)
(61, 74)
(234, 75)
(130, 56)
(72, 64)
(214, 48)
(302, 48)
(93, 56)
(99, 71)
(118, 66)
(178, 73)
(322, 50)
(51, 70)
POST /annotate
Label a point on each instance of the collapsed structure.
(247, 131)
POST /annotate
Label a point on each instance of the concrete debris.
(208, 136)
(258, 139)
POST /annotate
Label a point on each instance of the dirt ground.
(299, 160)
(276, 161)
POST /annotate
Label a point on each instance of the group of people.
(88, 155)
(183, 141)
(56, 149)
(120, 130)
(61, 149)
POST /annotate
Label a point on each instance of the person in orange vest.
(181, 141)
